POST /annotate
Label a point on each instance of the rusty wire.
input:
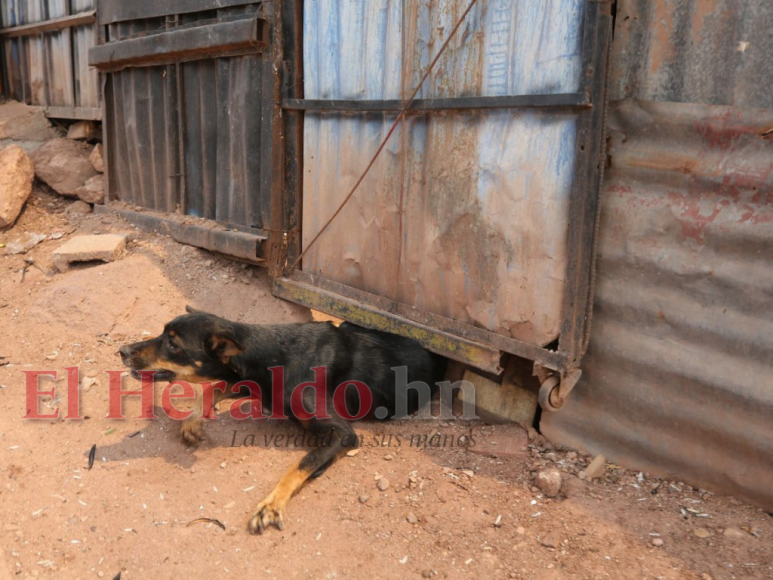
(399, 118)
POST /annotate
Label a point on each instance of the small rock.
(77, 208)
(412, 519)
(93, 191)
(383, 484)
(82, 131)
(25, 243)
(87, 383)
(571, 455)
(223, 465)
(705, 576)
(426, 573)
(734, 533)
(596, 467)
(549, 481)
(520, 530)
(17, 173)
(364, 498)
(551, 540)
(388, 457)
(230, 505)
(657, 542)
(352, 452)
(97, 158)
(702, 533)
(468, 472)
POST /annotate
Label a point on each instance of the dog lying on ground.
(200, 347)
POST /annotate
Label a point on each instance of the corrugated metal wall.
(466, 214)
(677, 380)
(49, 69)
(218, 106)
(694, 51)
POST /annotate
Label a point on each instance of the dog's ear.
(224, 345)
(191, 310)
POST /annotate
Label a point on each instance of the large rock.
(24, 123)
(16, 176)
(93, 190)
(64, 165)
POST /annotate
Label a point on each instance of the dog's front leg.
(271, 511)
(207, 397)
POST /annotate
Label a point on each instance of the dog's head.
(196, 347)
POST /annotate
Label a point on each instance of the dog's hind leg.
(337, 436)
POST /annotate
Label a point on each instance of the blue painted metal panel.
(465, 214)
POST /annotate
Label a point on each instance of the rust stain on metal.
(467, 212)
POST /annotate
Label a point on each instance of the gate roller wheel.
(549, 395)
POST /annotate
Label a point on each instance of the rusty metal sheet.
(677, 378)
(466, 214)
(694, 51)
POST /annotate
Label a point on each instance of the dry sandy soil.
(438, 518)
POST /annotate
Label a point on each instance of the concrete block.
(508, 402)
(107, 248)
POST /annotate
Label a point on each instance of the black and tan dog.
(199, 347)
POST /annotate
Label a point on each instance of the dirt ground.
(448, 512)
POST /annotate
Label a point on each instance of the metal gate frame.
(557, 369)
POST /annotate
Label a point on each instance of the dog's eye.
(173, 347)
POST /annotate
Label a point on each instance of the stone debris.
(93, 191)
(596, 467)
(551, 540)
(16, 176)
(383, 484)
(734, 533)
(97, 158)
(25, 243)
(82, 131)
(106, 248)
(549, 481)
(77, 208)
(64, 165)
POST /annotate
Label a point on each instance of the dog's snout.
(125, 352)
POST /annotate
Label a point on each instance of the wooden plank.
(50, 25)
(80, 113)
(112, 11)
(210, 41)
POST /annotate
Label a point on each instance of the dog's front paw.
(270, 512)
(192, 431)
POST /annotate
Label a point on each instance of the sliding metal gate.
(474, 232)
